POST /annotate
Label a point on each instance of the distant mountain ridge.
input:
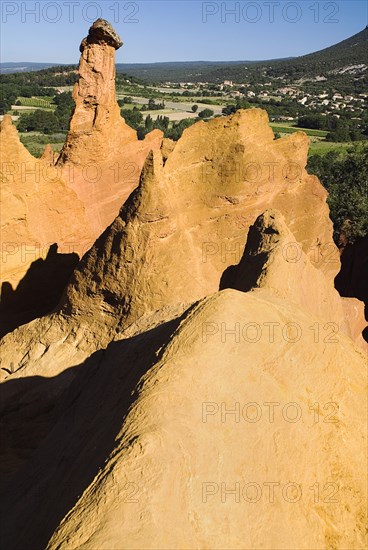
(29, 66)
(352, 51)
(349, 55)
(355, 45)
(24, 66)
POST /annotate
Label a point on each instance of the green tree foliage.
(39, 121)
(13, 86)
(125, 101)
(312, 121)
(153, 106)
(49, 122)
(148, 123)
(194, 108)
(132, 117)
(340, 129)
(345, 177)
(141, 132)
(344, 134)
(177, 129)
(162, 123)
(64, 109)
(206, 113)
(34, 84)
(8, 96)
(64, 75)
(231, 109)
(340, 135)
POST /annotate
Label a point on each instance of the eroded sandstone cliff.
(70, 201)
(102, 157)
(201, 383)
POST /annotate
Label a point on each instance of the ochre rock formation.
(266, 263)
(38, 208)
(183, 227)
(201, 383)
(69, 202)
(48, 155)
(96, 127)
(175, 242)
(199, 204)
(166, 438)
(102, 157)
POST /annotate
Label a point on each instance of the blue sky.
(176, 30)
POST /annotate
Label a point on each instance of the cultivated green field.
(318, 144)
(289, 129)
(35, 142)
(37, 102)
(323, 147)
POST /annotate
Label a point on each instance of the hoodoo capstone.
(102, 32)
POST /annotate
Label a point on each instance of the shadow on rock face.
(351, 282)
(60, 424)
(38, 292)
(263, 237)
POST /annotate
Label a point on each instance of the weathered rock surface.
(199, 205)
(157, 432)
(102, 157)
(133, 410)
(172, 244)
(267, 263)
(70, 204)
(38, 209)
(177, 234)
(38, 292)
(102, 32)
(96, 127)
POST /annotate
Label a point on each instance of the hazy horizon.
(179, 31)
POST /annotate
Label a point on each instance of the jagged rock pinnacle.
(102, 32)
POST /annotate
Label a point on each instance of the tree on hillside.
(148, 123)
(153, 106)
(345, 177)
(312, 121)
(194, 108)
(178, 128)
(206, 113)
(162, 123)
(8, 96)
(39, 121)
(132, 117)
(231, 109)
(64, 109)
(340, 135)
